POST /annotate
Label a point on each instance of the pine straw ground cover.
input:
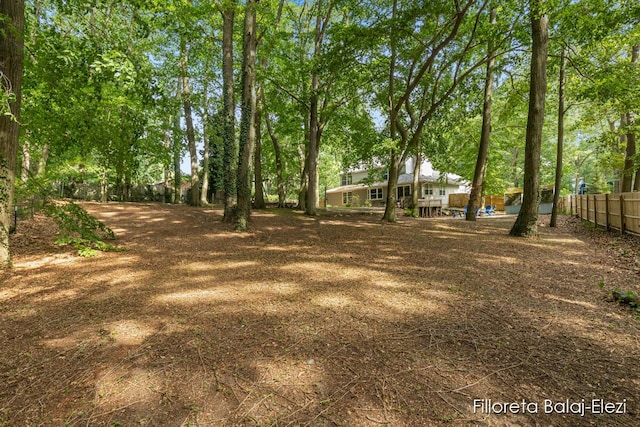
(337, 320)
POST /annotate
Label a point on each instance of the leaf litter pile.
(337, 320)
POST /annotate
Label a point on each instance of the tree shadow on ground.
(335, 320)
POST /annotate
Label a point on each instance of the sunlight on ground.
(211, 266)
(279, 288)
(129, 332)
(202, 296)
(120, 387)
(581, 303)
(50, 260)
(334, 301)
(20, 290)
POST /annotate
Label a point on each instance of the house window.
(347, 197)
(404, 191)
(443, 192)
(346, 179)
(428, 190)
(375, 194)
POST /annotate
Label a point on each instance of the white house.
(358, 189)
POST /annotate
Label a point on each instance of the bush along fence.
(612, 211)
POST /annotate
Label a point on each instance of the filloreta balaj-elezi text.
(571, 407)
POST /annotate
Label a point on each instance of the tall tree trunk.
(44, 156)
(626, 120)
(303, 156)
(631, 141)
(177, 156)
(560, 147)
(312, 158)
(485, 135)
(278, 157)
(247, 123)
(630, 154)
(415, 195)
(188, 118)
(11, 64)
(205, 150)
(304, 179)
(257, 159)
(392, 188)
(392, 182)
(631, 135)
(526, 223)
(228, 133)
(166, 197)
(26, 161)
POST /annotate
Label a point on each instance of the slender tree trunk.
(392, 182)
(205, 152)
(303, 155)
(11, 64)
(314, 126)
(312, 162)
(485, 136)
(304, 180)
(526, 223)
(166, 197)
(626, 120)
(177, 156)
(44, 156)
(278, 157)
(415, 195)
(188, 117)
(392, 188)
(228, 132)
(630, 154)
(26, 161)
(631, 135)
(631, 141)
(560, 148)
(247, 124)
(257, 160)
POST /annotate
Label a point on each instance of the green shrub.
(80, 229)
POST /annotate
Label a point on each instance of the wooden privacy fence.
(612, 211)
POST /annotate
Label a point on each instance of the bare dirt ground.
(337, 320)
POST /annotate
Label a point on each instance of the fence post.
(606, 212)
(571, 204)
(587, 197)
(595, 210)
(621, 214)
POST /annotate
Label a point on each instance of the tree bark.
(560, 147)
(194, 200)
(177, 155)
(415, 195)
(205, 150)
(44, 156)
(526, 223)
(631, 135)
(257, 159)
(247, 123)
(392, 181)
(228, 132)
(485, 134)
(278, 157)
(26, 161)
(11, 66)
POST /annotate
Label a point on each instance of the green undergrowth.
(628, 298)
(79, 229)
